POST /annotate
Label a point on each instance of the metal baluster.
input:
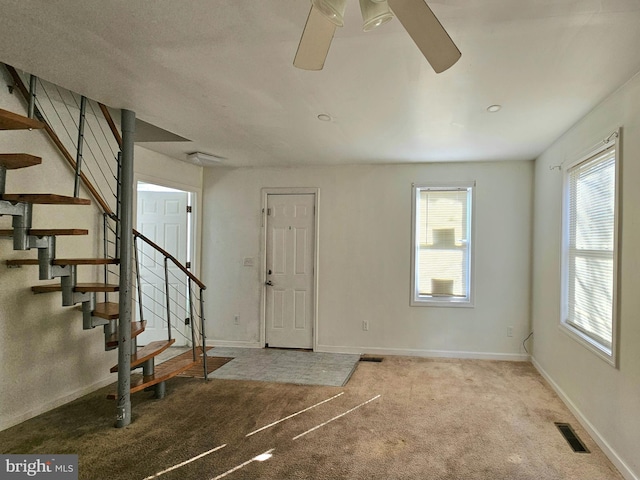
(83, 109)
(105, 246)
(32, 95)
(191, 322)
(204, 338)
(137, 261)
(118, 203)
(166, 284)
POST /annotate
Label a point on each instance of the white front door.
(289, 301)
(162, 217)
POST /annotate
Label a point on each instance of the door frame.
(194, 232)
(265, 192)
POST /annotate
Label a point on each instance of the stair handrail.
(170, 257)
(58, 143)
(191, 278)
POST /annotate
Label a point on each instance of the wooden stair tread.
(44, 199)
(147, 352)
(46, 232)
(13, 121)
(107, 310)
(12, 161)
(80, 287)
(22, 261)
(164, 371)
(65, 261)
(136, 329)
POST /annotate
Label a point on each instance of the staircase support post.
(123, 409)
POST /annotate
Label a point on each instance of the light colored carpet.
(285, 366)
(431, 419)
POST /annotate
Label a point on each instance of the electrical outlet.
(509, 331)
(236, 319)
(365, 325)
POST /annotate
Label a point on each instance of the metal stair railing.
(80, 126)
(181, 290)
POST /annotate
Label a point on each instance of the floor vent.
(572, 438)
(371, 359)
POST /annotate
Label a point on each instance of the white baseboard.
(58, 402)
(588, 426)
(233, 343)
(513, 357)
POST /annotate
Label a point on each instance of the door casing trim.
(265, 192)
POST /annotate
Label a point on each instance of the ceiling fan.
(415, 15)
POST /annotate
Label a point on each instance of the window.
(589, 263)
(441, 253)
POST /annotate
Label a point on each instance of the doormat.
(285, 366)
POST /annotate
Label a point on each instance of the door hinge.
(188, 265)
(189, 209)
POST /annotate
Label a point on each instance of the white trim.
(405, 352)
(469, 302)
(611, 141)
(196, 224)
(265, 192)
(232, 343)
(58, 402)
(588, 426)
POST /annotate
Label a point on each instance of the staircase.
(64, 270)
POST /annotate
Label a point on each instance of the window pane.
(442, 253)
(593, 205)
(589, 260)
(591, 297)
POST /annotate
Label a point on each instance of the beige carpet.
(433, 419)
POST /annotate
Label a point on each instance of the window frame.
(416, 299)
(609, 355)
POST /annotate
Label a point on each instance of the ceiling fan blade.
(427, 32)
(315, 42)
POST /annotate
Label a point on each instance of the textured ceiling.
(220, 73)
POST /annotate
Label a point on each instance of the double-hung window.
(589, 260)
(442, 245)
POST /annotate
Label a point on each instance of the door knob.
(268, 282)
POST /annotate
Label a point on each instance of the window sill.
(608, 355)
(434, 302)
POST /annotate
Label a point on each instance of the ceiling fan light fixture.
(332, 9)
(374, 13)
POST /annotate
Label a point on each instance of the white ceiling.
(220, 73)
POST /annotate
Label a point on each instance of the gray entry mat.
(285, 366)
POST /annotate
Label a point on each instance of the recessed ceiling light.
(324, 117)
(494, 108)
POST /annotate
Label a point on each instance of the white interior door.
(289, 301)
(162, 217)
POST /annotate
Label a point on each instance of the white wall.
(606, 399)
(364, 258)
